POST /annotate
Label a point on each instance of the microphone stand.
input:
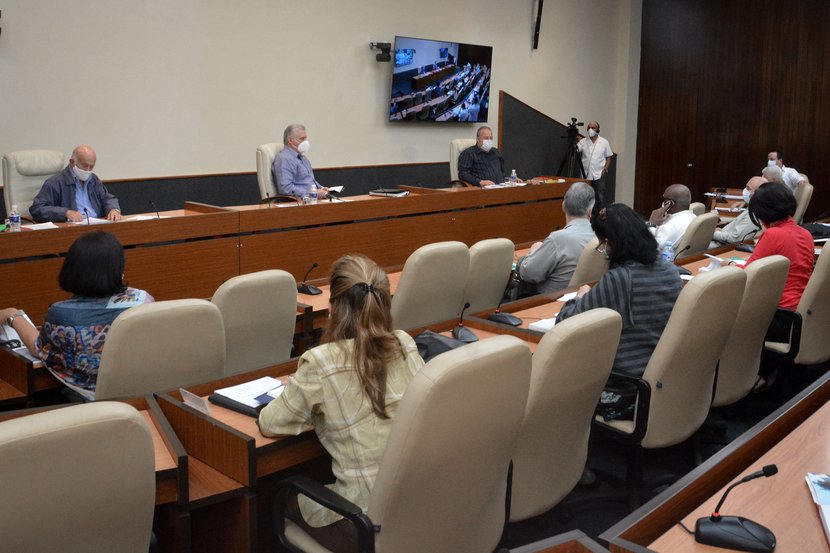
(505, 318)
(461, 332)
(309, 289)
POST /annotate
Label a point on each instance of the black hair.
(627, 235)
(94, 266)
(778, 152)
(771, 202)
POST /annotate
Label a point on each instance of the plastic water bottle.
(513, 177)
(668, 252)
(14, 219)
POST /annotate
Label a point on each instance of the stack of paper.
(819, 485)
(248, 398)
(543, 325)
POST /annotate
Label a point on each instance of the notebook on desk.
(248, 398)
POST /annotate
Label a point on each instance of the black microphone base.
(505, 318)
(736, 533)
(308, 289)
(464, 334)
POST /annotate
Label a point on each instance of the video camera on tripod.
(571, 166)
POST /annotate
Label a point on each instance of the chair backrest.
(698, 235)
(490, 265)
(76, 479)
(570, 368)
(697, 208)
(590, 266)
(741, 357)
(681, 371)
(802, 199)
(456, 147)
(814, 308)
(259, 312)
(431, 288)
(160, 346)
(24, 173)
(265, 154)
(442, 480)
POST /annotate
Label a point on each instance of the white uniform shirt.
(594, 155)
(791, 178)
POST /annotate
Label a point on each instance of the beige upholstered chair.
(24, 173)
(487, 278)
(77, 479)
(675, 392)
(697, 236)
(259, 311)
(741, 357)
(802, 199)
(456, 147)
(570, 368)
(162, 345)
(697, 208)
(265, 154)
(812, 346)
(590, 266)
(431, 288)
(441, 485)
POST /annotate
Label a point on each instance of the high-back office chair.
(697, 236)
(697, 208)
(675, 392)
(77, 479)
(741, 357)
(570, 368)
(268, 189)
(160, 346)
(802, 199)
(808, 342)
(431, 288)
(259, 311)
(456, 147)
(590, 266)
(489, 273)
(442, 481)
(24, 173)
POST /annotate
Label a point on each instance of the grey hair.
(478, 132)
(291, 132)
(579, 200)
(773, 173)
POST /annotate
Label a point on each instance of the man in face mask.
(790, 176)
(595, 153)
(75, 193)
(742, 228)
(481, 164)
(292, 170)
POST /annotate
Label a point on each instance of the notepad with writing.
(250, 397)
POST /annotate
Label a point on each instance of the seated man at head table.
(292, 170)
(669, 221)
(743, 227)
(482, 164)
(75, 193)
(551, 263)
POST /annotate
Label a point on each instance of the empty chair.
(570, 368)
(160, 346)
(441, 483)
(591, 265)
(431, 288)
(697, 236)
(456, 147)
(802, 199)
(259, 311)
(490, 266)
(77, 479)
(697, 208)
(741, 357)
(24, 173)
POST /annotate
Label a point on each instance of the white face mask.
(772, 162)
(486, 145)
(747, 194)
(82, 175)
(592, 133)
(303, 147)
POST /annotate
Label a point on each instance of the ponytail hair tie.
(366, 288)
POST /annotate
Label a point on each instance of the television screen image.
(440, 81)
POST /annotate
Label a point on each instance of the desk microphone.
(677, 254)
(332, 198)
(309, 289)
(86, 212)
(156, 209)
(505, 318)
(461, 332)
(267, 200)
(732, 532)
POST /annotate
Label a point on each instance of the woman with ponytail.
(347, 390)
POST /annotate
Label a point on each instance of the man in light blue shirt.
(292, 170)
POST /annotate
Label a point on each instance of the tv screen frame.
(455, 89)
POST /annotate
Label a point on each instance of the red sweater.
(796, 244)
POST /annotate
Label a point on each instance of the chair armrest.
(794, 321)
(462, 184)
(641, 409)
(328, 499)
(278, 198)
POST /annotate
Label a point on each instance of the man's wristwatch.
(11, 318)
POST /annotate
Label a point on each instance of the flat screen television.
(434, 80)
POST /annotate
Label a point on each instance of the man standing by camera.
(596, 155)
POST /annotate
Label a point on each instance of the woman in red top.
(773, 206)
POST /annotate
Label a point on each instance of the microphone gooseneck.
(156, 209)
(308, 289)
(86, 213)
